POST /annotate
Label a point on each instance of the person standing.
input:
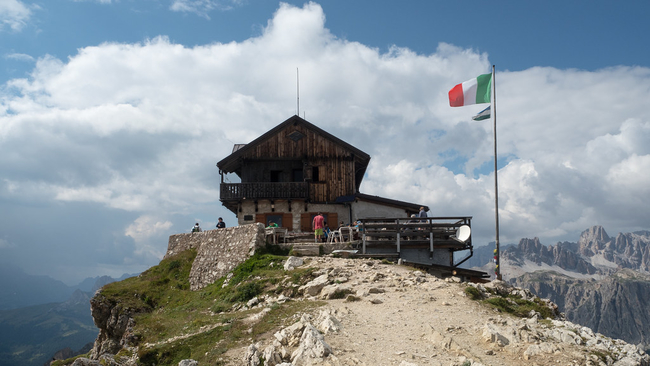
(422, 214)
(318, 224)
(221, 224)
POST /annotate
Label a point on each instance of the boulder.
(292, 263)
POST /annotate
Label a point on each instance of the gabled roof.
(233, 161)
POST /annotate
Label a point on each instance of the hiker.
(318, 224)
(221, 224)
(196, 228)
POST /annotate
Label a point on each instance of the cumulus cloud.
(14, 14)
(145, 228)
(138, 128)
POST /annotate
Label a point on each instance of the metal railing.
(434, 232)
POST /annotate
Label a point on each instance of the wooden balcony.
(284, 190)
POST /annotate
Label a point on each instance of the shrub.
(341, 293)
(473, 293)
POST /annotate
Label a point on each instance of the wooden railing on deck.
(284, 190)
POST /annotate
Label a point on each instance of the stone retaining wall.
(218, 251)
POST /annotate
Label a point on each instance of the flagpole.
(497, 270)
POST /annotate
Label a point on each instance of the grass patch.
(511, 304)
(208, 347)
(163, 307)
(473, 293)
(155, 287)
(519, 307)
(69, 361)
(602, 355)
(340, 294)
(546, 322)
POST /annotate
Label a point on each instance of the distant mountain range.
(40, 316)
(19, 289)
(600, 281)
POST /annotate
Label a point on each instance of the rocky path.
(396, 315)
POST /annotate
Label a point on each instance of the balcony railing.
(286, 190)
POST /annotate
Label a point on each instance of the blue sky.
(113, 114)
(516, 34)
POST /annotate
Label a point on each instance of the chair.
(346, 233)
(276, 232)
(333, 236)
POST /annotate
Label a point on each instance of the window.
(314, 174)
(276, 175)
(297, 175)
(274, 218)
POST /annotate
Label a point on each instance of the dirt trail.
(407, 317)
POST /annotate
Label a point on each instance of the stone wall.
(218, 251)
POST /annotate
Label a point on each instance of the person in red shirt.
(318, 224)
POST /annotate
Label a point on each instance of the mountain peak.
(592, 240)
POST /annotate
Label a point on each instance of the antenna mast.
(297, 93)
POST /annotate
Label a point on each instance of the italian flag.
(475, 91)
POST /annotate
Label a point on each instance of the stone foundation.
(218, 251)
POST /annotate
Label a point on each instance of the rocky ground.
(385, 314)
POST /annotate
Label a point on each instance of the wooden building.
(296, 170)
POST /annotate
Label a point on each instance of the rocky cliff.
(600, 282)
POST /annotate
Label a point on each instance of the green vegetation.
(512, 304)
(163, 307)
(473, 293)
(603, 355)
(68, 361)
(340, 294)
(352, 298)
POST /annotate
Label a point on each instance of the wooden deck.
(429, 240)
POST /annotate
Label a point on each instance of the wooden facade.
(294, 161)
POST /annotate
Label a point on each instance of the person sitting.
(357, 230)
(326, 232)
(196, 228)
(272, 225)
(221, 224)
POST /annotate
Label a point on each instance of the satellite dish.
(463, 233)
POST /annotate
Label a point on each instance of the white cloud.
(139, 128)
(14, 14)
(203, 7)
(19, 57)
(97, 1)
(143, 229)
